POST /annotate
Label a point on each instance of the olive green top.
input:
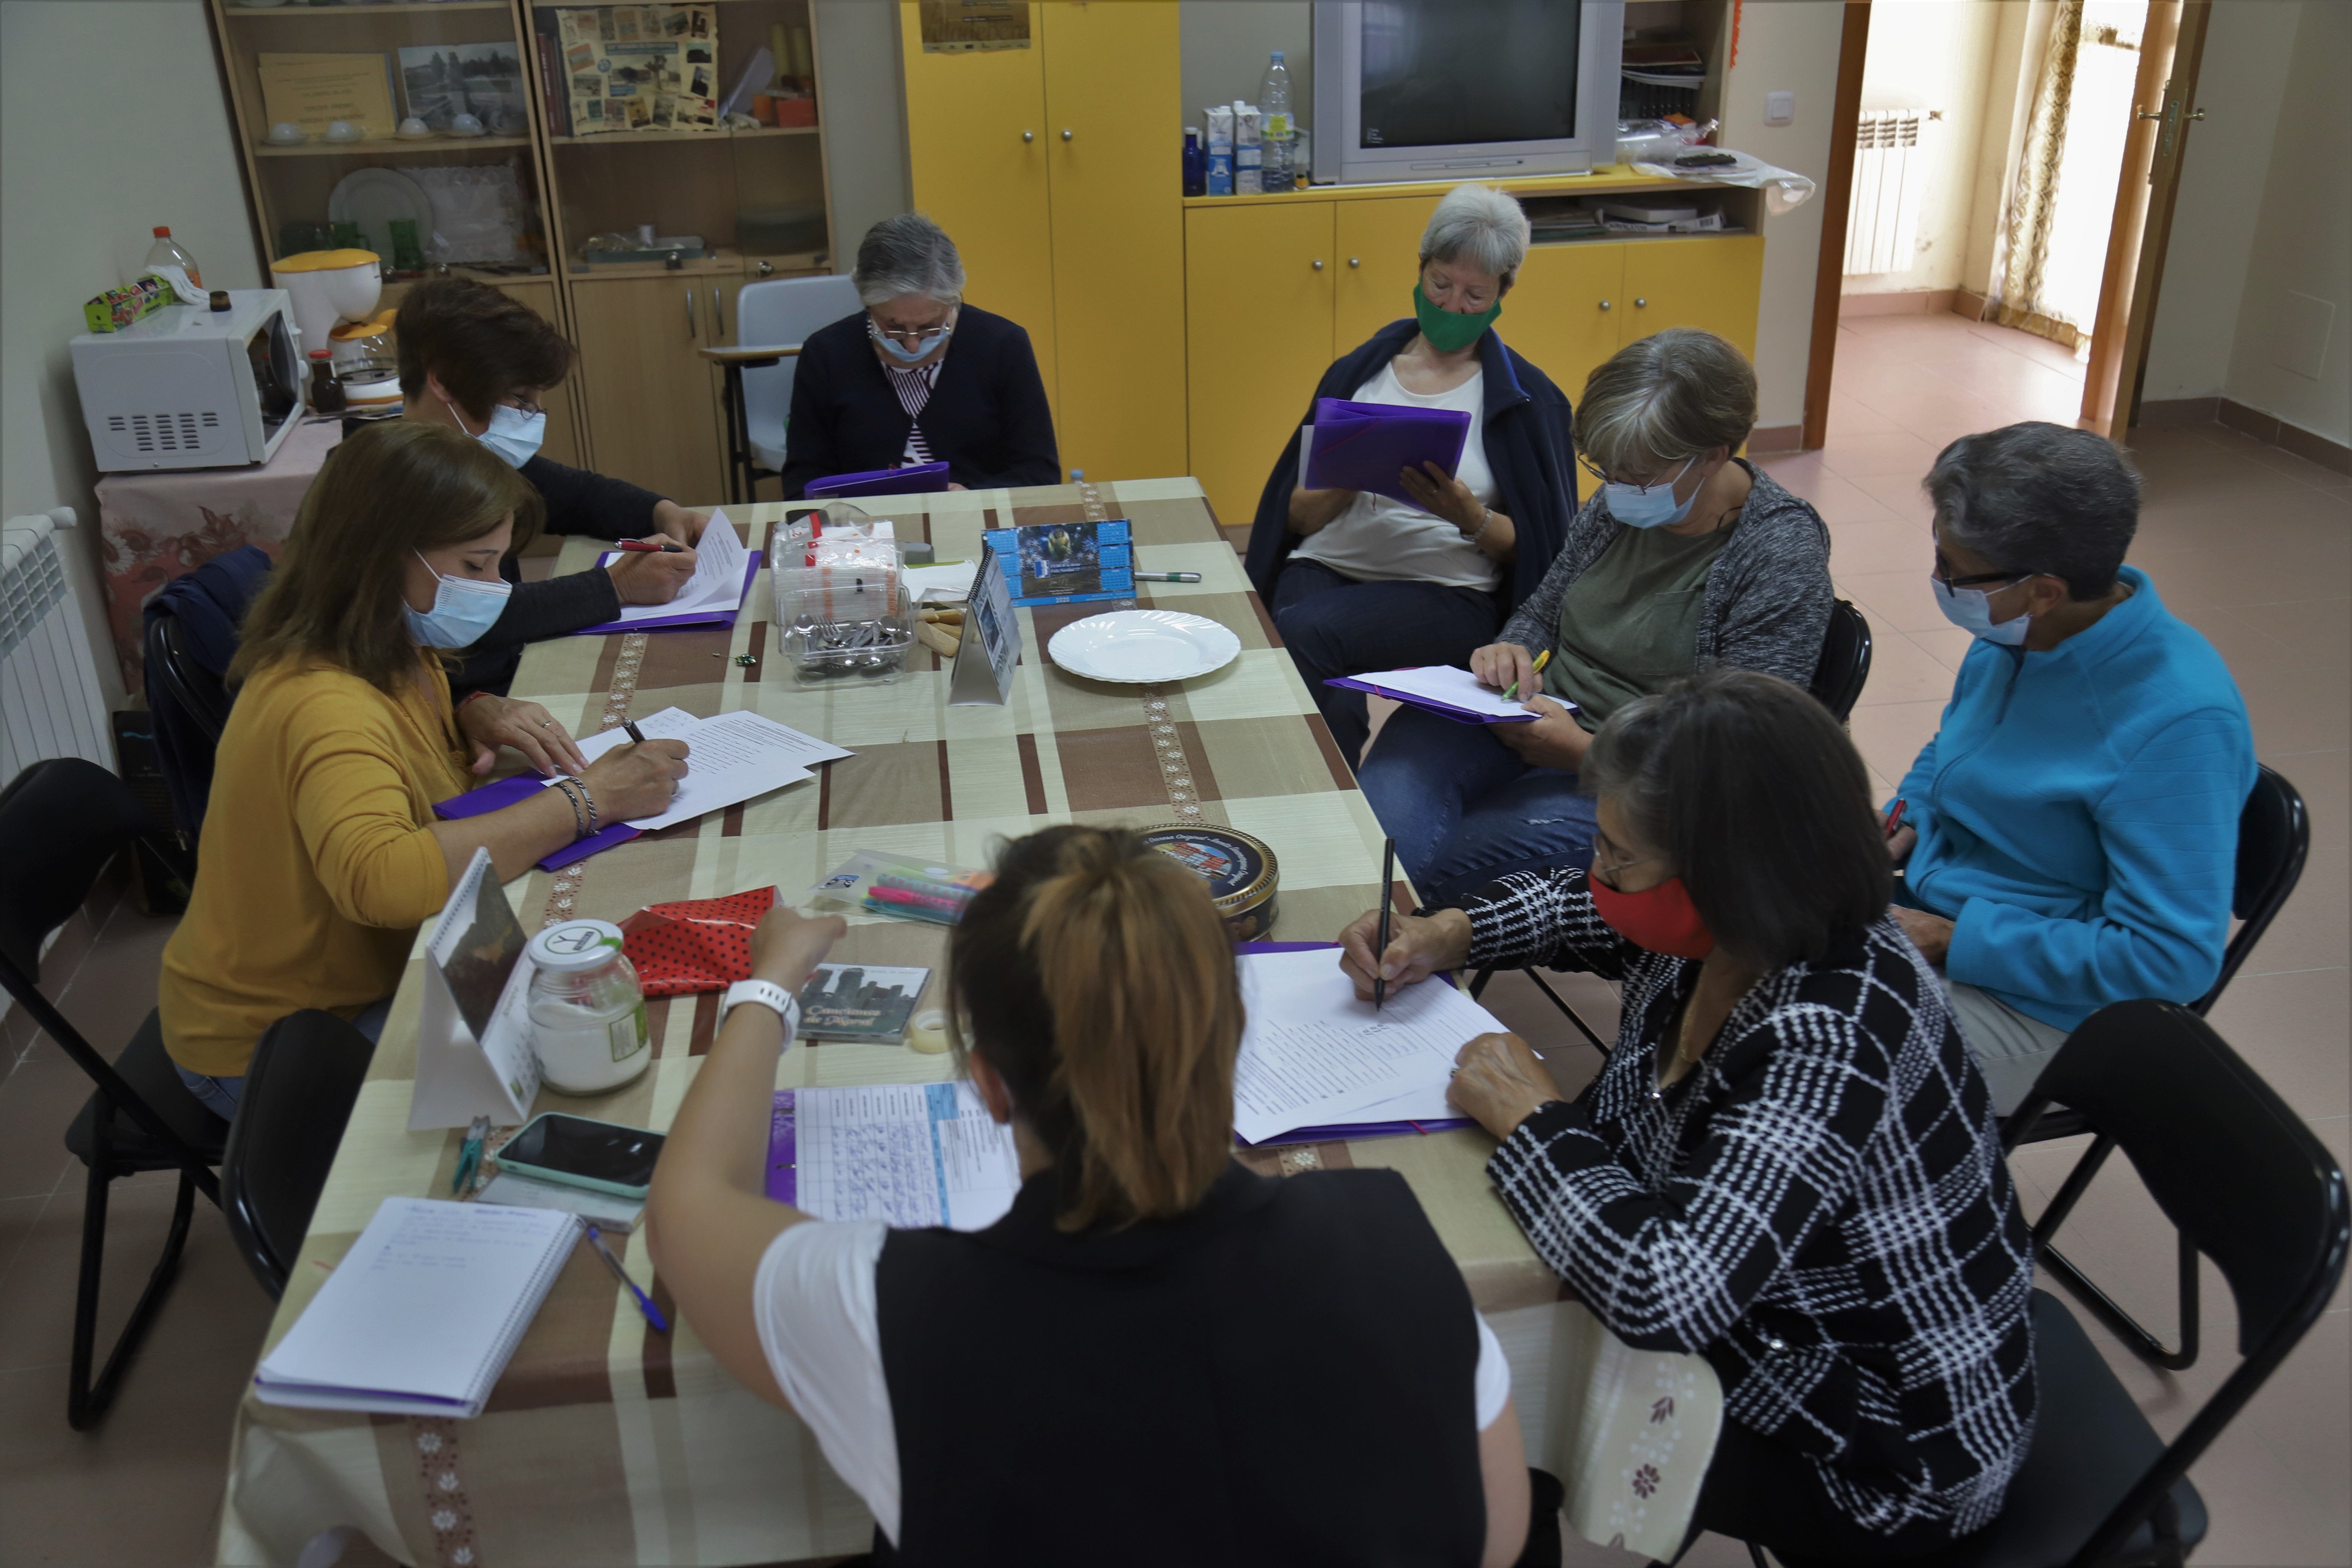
(1628, 624)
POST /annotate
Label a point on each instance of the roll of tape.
(929, 1032)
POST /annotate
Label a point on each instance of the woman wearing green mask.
(1360, 581)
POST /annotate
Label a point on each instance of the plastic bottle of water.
(1274, 103)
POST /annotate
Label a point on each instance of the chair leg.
(86, 1400)
(1560, 1002)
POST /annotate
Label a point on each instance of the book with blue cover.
(1067, 563)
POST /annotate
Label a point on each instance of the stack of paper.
(728, 759)
(722, 574)
(1362, 446)
(1312, 1056)
(1443, 689)
(911, 1153)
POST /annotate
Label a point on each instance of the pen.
(648, 546)
(1895, 817)
(1388, 897)
(1167, 576)
(1541, 660)
(645, 1302)
(634, 734)
(470, 1158)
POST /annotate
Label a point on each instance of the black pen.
(1388, 895)
(634, 734)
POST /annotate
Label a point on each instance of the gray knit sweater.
(1767, 604)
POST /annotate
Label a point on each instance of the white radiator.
(50, 704)
(1890, 175)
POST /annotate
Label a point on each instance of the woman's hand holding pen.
(651, 576)
(636, 780)
(1418, 946)
(1504, 666)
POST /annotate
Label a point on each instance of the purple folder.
(723, 617)
(1430, 704)
(916, 479)
(514, 791)
(1361, 446)
(1341, 1132)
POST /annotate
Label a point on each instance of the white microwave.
(193, 387)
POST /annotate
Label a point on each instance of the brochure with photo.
(1067, 563)
(860, 1003)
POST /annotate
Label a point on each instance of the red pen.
(1895, 817)
(646, 546)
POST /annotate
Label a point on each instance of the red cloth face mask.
(1662, 919)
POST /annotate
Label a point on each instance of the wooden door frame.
(1836, 198)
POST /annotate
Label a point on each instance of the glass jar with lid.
(587, 1015)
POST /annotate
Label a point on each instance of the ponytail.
(1096, 978)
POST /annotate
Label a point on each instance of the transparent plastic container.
(587, 1012)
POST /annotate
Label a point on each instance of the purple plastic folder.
(1361, 446)
(513, 791)
(1423, 700)
(1341, 1132)
(916, 479)
(724, 616)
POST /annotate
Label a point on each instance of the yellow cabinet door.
(1697, 282)
(649, 392)
(1112, 94)
(1565, 314)
(1257, 284)
(1378, 248)
(976, 146)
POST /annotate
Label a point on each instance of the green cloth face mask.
(1450, 330)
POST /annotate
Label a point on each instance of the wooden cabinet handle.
(718, 314)
(689, 313)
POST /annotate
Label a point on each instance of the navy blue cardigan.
(1530, 446)
(987, 418)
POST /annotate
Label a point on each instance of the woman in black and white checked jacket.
(1789, 1164)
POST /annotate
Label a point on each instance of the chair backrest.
(299, 1089)
(190, 707)
(782, 311)
(2274, 841)
(61, 820)
(2241, 1176)
(1845, 664)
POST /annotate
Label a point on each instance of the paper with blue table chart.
(1362, 446)
(911, 1153)
(1312, 1056)
(729, 758)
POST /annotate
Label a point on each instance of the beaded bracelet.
(578, 823)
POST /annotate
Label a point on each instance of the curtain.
(2032, 210)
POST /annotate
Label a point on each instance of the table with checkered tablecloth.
(607, 1442)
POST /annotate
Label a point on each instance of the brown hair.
(482, 344)
(398, 487)
(1095, 976)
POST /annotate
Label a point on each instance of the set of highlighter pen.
(918, 898)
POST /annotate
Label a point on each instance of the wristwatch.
(767, 993)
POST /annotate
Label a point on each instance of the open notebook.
(422, 1314)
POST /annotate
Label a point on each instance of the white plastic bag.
(1784, 189)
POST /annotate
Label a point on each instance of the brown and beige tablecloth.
(606, 1443)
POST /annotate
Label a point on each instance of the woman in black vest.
(1111, 1372)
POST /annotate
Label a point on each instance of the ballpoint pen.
(649, 546)
(634, 734)
(469, 1157)
(1895, 817)
(1387, 898)
(1167, 576)
(1541, 660)
(645, 1302)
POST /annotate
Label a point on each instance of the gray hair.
(1481, 225)
(908, 254)
(2042, 498)
(1672, 395)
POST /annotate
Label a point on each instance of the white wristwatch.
(767, 993)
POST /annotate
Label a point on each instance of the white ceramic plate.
(371, 198)
(1133, 646)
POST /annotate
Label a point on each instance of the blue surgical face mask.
(900, 351)
(463, 610)
(1649, 506)
(1970, 609)
(514, 434)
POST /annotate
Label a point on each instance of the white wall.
(114, 121)
(1935, 55)
(864, 86)
(1225, 44)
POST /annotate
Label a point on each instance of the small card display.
(861, 1004)
(1067, 563)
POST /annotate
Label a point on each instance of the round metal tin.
(1241, 872)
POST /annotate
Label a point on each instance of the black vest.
(1283, 1377)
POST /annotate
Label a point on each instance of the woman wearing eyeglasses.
(1789, 1163)
(1684, 558)
(2069, 837)
(918, 376)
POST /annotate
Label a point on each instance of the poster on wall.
(957, 27)
(640, 67)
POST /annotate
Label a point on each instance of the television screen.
(1442, 73)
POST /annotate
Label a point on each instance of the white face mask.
(1970, 609)
(514, 434)
(463, 610)
(1649, 506)
(900, 351)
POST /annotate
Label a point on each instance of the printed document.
(728, 759)
(911, 1154)
(720, 565)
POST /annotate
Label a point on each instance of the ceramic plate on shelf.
(1133, 646)
(373, 199)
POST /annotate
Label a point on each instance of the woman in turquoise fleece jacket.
(2070, 835)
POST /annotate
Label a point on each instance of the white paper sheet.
(947, 584)
(728, 759)
(719, 560)
(911, 1154)
(1313, 1054)
(1456, 688)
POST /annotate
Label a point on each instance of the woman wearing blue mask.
(2069, 838)
(1685, 557)
(918, 376)
(320, 854)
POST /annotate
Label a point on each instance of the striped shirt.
(913, 388)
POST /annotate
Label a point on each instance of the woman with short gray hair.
(1423, 571)
(1685, 557)
(874, 391)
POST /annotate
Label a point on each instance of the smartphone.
(601, 1156)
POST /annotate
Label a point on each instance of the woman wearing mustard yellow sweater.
(320, 855)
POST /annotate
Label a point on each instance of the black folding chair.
(298, 1092)
(1838, 681)
(61, 821)
(2249, 1187)
(2274, 841)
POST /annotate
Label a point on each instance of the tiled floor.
(2253, 545)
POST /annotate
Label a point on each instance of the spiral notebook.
(424, 1313)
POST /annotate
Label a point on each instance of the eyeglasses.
(1589, 467)
(912, 337)
(1607, 872)
(1977, 579)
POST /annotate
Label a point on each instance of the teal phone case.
(568, 1178)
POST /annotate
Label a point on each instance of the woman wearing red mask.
(1789, 1163)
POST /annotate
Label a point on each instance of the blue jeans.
(220, 1095)
(1464, 808)
(1334, 625)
